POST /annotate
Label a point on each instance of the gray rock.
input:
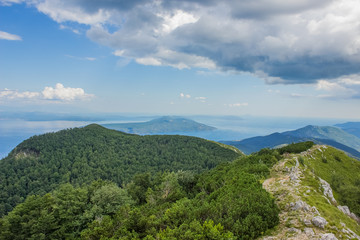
(309, 232)
(300, 205)
(307, 222)
(328, 236)
(314, 210)
(327, 190)
(346, 210)
(294, 230)
(319, 222)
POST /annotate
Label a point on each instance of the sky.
(233, 57)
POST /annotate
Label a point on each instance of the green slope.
(81, 155)
(166, 124)
(341, 172)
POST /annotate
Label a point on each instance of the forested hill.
(81, 155)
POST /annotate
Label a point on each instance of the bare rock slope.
(308, 207)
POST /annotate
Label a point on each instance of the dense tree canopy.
(227, 202)
(82, 155)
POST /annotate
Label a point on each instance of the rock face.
(327, 190)
(300, 205)
(319, 222)
(328, 236)
(346, 210)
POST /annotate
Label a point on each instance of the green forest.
(82, 155)
(95, 183)
(227, 202)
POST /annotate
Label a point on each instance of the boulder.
(309, 232)
(328, 236)
(319, 222)
(300, 205)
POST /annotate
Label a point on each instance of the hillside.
(82, 155)
(166, 124)
(226, 202)
(313, 190)
(350, 127)
(320, 135)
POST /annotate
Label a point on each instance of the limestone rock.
(327, 190)
(300, 205)
(307, 222)
(346, 210)
(309, 232)
(328, 236)
(319, 222)
(294, 230)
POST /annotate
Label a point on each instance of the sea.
(14, 128)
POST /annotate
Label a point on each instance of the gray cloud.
(289, 42)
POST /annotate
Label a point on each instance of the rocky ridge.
(307, 203)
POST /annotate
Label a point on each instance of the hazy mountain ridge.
(350, 127)
(166, 124)
(321, 135)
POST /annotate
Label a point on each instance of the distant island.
(166, 124)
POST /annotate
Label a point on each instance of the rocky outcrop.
(327, 190)
(346, 210)
(300, 205)
(328, 236)
(319, 222)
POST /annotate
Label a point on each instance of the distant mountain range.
(167, 124)
(332, 136)
(350, 127)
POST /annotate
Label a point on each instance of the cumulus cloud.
(13, 94)
(344, 87)
(10, 2)
(64, 93)
(183, 95)
(283, 42)
(9, 36)
(58, 93)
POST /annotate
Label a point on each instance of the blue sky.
(260, 58)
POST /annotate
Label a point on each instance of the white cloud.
(175, 20)
(237, 104)
(76, 31)
(200, 98)
(9, 36)
(283, 42)
(183, 95)
(149, 61)
(10, 2)
(65, 10)
(82, 58)
(59, 93)
(13, 94)
(62, 93)
(344, 87)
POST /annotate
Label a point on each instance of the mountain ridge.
(321, 135)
